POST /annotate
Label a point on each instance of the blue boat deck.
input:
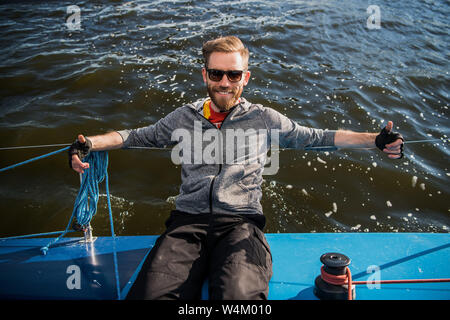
(73, 269)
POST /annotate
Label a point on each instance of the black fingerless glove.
(80, 149)
(386, 137)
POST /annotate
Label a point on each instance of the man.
(215, 233)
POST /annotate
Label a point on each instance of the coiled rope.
(85, 206)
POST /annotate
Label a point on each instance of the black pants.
(231, 251)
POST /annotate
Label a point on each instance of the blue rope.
(31, 235)
(113, 235)
(85, 206)
(26, 162)
(86, 202)
(34, 159)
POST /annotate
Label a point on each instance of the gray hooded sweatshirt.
(221, 169)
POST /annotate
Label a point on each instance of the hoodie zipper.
(220, 164)
(220, 168)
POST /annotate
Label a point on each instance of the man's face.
(224, 93)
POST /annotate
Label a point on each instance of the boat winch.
(332, 283)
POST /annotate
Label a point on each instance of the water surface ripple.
(317, 62)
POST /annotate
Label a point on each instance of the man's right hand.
(77, 152)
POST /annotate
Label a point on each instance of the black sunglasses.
(217, 75)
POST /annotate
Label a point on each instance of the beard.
(224, 102)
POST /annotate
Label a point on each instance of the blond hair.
(226, 44)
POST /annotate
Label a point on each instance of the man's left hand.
(390, 142)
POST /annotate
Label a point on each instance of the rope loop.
(339, 280)
(346, 280)
(85, 206)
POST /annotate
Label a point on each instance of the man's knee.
(236, 281)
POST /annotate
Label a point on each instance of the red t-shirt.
(214, 117)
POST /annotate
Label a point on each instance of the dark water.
(318, 62)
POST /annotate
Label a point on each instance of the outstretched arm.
(108, 141)
(350, 139)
